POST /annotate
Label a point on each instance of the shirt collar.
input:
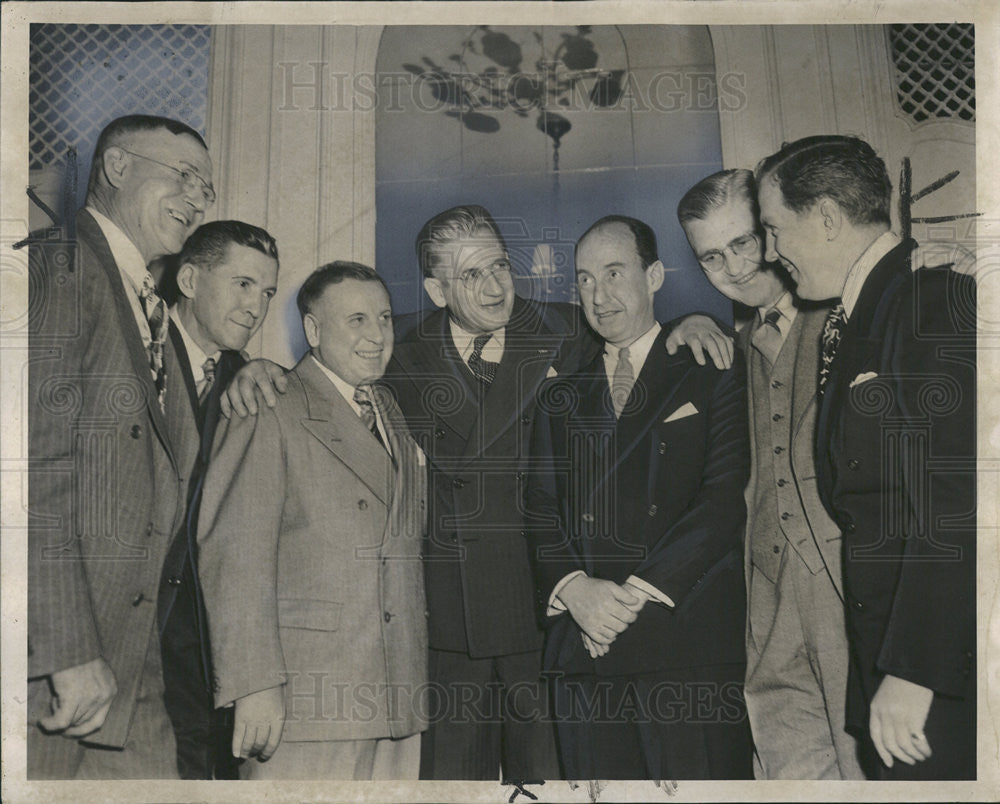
(126, 255)
(464, 341)
(785, 305)
(345, 388)
(638, 350)
(196, 355)
(865, 264)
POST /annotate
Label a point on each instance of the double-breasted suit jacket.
(309, 556)
(109, 471)
(896, 458)
(479, 587)
(657, 494)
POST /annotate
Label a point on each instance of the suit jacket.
(309, 555)
(896, 461)
(825, 532)
(184, 548)
(656, 494)
(108, 475)
(479, 587)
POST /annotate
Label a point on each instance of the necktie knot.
(772, 318)
(363, 399)
(484, 370)
(622, 382)
(767, 337)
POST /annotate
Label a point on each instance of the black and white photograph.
(504, 402)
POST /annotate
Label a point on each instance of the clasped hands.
(603, 609)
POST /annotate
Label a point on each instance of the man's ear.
(831, 216)
(654, 276)
(114, 164)
(186, 282)
(435, 290)
(311, 326)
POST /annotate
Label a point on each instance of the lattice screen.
(935, 70)
(83, 76)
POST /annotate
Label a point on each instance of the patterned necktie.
(484, 370)
(767, 337)
(156, 314)
(363, 399)
(622, 382)
(832, 331)
(208, 367)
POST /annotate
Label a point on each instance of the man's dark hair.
(208, 244)
(121, 127)
(645, 238)
(844, 169)
(331, 274)
(715, 191)
(458, 222)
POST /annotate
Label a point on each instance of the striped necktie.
(363, 399)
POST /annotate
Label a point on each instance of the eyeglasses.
(191, 181)
(747, 245)
(500, 271)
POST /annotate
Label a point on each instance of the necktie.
(767, 338)
(363, 399)
(208, 367)
(156, 314)
(484, 370)
(622, 382)
(832, 330)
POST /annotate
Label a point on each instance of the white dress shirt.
(785, 305)
(196, 355)
(638, 352)
(866, 263)
(347, 391)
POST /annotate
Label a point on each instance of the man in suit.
(466, 378)
(111, 440)
(226, 276)
(636, 516)
(797, 653)
(309, 553)
(895, 450)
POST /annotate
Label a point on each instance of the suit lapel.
(90, 232)
(229, 363)
(335, 424)
(185, 366)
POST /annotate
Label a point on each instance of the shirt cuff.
(649, 589)
(556, 606)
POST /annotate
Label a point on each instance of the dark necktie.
(622, 382)
(484, 370)
(363, 399)
(832, 331)
(208, 367)
(156, 314)
(767, 338)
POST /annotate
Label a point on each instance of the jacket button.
(454, 538)
(587, 517)
(175, 581)
(520, 475)
(458, 483)
(852, 464)
(777, 417)
(149, 529)
(776, 383)
(662, 449)
(136, 431)
(782, 482)
(778, 450)
(387, 616)
(859, 605)
(363, 505)
(138, 599)
(652, 510)
(776, 548)
(439, 433)
(525, 420)
(849, 526)
(524, 534)
(786, 516)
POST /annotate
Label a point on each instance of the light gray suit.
(309, 540)
(797, 655)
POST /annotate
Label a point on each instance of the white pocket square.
(685, 410)
(868, 375)
(551, 373)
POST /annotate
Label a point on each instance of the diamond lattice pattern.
(935, 70)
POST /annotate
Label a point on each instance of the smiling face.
(801, 243)
(151, 204)
(716, 238)
(616, 291)
(349, 328)
(224, 305)
(473, 279)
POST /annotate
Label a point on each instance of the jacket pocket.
(312, 615)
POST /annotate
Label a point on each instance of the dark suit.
(107, 489)
(203, 734)
(482, 624)
(896, 466)
(660, 497)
